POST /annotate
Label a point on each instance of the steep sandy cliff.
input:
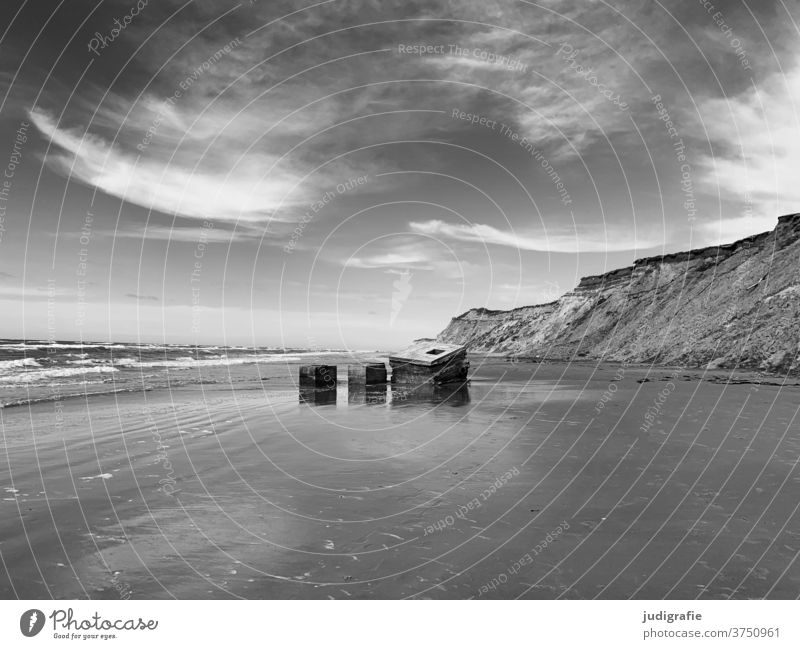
(736, 305)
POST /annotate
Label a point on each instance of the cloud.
(36, 292)
(397, 256)
(390, 260)
(135, 296)
(283, 100)
(240, 193)
(756, 141)
(186, 234)
(608, 240)
(251, 121)
(728, 230)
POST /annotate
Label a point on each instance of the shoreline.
(730, 377)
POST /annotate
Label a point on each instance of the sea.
(40, 370)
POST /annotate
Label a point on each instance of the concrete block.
(318, 376)
(366, 374)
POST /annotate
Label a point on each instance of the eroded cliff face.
(729, 306)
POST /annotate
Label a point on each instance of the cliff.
(736, 305)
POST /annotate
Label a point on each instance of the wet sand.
(518, 485)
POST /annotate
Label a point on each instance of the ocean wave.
(32, 376)
(47, 345)
(29, 401)
(188, 362)
(18, 363)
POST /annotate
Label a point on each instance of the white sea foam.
(47, 345)
(126, 362)
(19, 362)
(42, 375)
(188, 362)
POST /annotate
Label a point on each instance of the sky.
(352, 174)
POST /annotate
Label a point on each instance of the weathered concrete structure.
(318, 376)
(431, 362)
(366, 374)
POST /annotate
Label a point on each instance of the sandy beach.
(532, 481)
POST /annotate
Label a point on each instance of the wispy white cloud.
(727, 230)
(390, 260)
(36, 292)
(395, 257)
(242, 194)
(756, 140)
(144, 298)
(594, 240)
(184, 234)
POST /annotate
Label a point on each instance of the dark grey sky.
(354, 173)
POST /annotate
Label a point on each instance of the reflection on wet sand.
(453, 394)
(271, 498)
(361, 395)
(318, 396)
